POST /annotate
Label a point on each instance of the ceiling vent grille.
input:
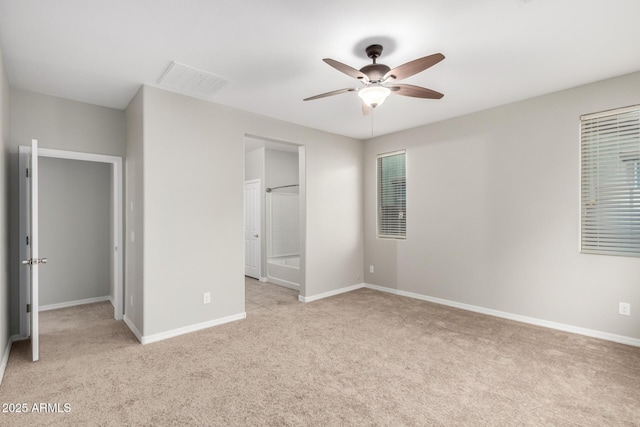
(191, 81)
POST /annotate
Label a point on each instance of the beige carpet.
(361, 358)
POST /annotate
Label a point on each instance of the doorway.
(74, 232)
(114, 250)
(278, 169)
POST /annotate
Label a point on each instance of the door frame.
(116, 224)
(302, 181)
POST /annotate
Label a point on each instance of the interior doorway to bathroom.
(274, 221)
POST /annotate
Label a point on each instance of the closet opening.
(79, 230)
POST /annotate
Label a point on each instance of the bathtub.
(284, 271)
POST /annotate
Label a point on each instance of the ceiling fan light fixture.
(374, 76)
(374, 95)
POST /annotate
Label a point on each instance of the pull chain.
(372, 112)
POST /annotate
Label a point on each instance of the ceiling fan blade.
(366, 109)
(414, 67)
(349, 71)
(333, 92)
(415, 91)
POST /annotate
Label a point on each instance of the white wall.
(5, 326)
(59, 124)
(75, 229)
(193, 184)
(493, 213)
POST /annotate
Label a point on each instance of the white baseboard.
(517, 317)
(74, 303)
(148, 339)
(330, 293)
(5, 355)
(285, 283)
(132, 327)
(264, 279)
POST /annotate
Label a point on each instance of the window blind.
(610, 182)
(392, 203)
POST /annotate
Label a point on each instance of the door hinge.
(27, 240)
(27, 172)
(28, 308)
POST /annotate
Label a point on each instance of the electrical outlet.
(624, 308)
(371, 269)
(206, 298)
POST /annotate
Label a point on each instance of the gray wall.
(5, 326)
(281, 168)
(254, 165)
(193, 181)
(60, 124)
(75, 229)
(493, 213)
(134, 208)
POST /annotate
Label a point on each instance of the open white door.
(252, 258)
(30, 257)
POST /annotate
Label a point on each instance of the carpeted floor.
(261, 296)
(361, 358)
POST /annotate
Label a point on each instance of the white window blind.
(610, 182)
(392, 203)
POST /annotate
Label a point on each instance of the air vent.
(191, 81)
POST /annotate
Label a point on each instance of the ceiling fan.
(378, 79)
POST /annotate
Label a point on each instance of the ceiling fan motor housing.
(374, 51)
(374, 71)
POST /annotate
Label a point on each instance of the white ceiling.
(497, 51)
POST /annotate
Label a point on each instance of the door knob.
(26, 262)
(255, 235)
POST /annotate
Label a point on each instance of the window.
(610, 182)
(392, 195)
